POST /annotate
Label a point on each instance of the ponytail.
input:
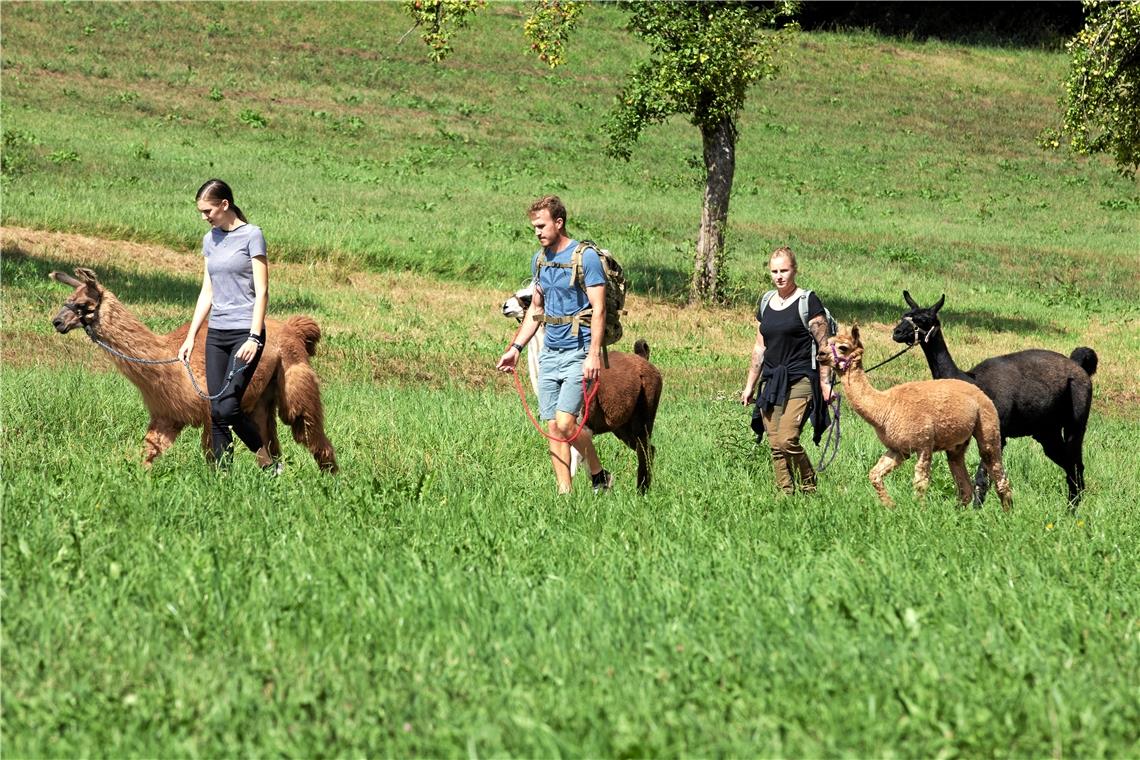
(217, 190)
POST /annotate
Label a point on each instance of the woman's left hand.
(247, 351)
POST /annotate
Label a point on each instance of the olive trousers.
(783, 425)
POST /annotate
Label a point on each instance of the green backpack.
(615, 292)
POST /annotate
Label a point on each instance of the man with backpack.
(570, 300)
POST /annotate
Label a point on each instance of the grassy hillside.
(343, 140)
(435, 598)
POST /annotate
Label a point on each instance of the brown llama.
(629, 391)
(283, 377)
(921, 418)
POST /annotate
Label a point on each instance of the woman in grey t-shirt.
(234, 294)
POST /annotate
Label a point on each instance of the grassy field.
(436, 598)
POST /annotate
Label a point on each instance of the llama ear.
(938, 305)
(88, 276)
(65, 278)
(855, 335)
(910, 301)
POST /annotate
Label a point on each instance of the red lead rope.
(589, 394)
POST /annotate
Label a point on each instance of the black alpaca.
(1038, 393)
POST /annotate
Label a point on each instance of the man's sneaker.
(603, 481)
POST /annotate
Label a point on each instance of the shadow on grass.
(864, 311)
(20, 267)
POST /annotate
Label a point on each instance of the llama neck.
(868, 403)
(938, 356)
(123, 331)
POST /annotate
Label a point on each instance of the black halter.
(87, 317)
(914, 341)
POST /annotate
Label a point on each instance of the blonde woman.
(792, 388)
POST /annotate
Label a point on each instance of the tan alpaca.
(283, 378)
(921, 417)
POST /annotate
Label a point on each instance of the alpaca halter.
(841, 364)
(918, 331)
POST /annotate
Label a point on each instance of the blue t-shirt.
(561, 299)
(229, 260)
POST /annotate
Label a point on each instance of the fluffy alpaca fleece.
(629, 392)
(284, 379)
(1038, 393)
(921, 418)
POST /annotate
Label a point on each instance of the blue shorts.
(560, 381)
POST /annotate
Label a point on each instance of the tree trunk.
(720, 165)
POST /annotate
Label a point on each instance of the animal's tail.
(641, 348)
(1086, 357)
(307, 330)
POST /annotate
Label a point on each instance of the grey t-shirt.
(229, 261)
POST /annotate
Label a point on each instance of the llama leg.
(1066, 455)
(1001, 483)
(922, 473)
(886, 464)
(1076, 478)
(160, 434)
(957, 460)
(1075, 438)
(269, 435)
(641, 446)
(311, 435)
(991, 459)
(583, 446)
(300, 406)
(981, 485)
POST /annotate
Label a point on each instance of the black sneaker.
(603, 481)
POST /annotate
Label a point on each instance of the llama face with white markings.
(515, 307)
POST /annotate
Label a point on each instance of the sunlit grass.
(436, 597)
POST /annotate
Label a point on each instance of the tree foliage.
(549, 26)
(704, 55)
(438, 20)
(1102, 93)
(703, 58)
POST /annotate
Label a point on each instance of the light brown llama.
(921, 418)
(283, 377)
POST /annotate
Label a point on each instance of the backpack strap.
(804, 308)
(576, 278)
(574, 320)
(804, 318)
(764, 299)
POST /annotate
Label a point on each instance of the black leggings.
(225, 410)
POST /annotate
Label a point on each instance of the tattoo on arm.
(818, 329)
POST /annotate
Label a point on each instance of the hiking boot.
(603, 481)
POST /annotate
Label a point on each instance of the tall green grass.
(434, 601)
(436, 598)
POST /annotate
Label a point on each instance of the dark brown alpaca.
(283, 378)
(629, 391)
